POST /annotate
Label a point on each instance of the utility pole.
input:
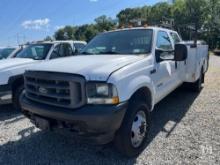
(18, 39)
(24, 39)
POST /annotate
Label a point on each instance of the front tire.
(16, 97)
(131, 138)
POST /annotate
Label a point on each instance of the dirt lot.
(186, 130)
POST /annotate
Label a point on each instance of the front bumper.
(5, 94)
(94, 122)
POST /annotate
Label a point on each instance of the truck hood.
(14, 63)
(92, 67)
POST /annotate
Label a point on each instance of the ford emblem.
(43, 90)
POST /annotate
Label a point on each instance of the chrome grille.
(56, 89)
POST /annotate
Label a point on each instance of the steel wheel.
(139, 128)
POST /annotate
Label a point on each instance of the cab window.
(68, 51)
(175, 38)
(61, 50)
(164, 47)
(163, 41)
(79, 46)
(55, 53)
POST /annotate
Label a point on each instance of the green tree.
(59, 34)
(212, 23)
(85, 32)
(104, 23)
(48, 38)
(69, 32)
(125, 16)
(158, 12)
(91, 31)
(196, 11)
(197, 19)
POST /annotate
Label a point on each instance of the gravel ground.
(186, 130)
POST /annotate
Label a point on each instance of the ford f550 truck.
(12, 70)
(107, 93)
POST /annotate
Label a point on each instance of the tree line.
(193, 19)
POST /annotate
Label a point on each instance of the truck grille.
(56, 89)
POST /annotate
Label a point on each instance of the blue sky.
(28, 20)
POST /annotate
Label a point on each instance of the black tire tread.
(122, 143)
(16, 97)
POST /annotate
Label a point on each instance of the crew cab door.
(166, 73)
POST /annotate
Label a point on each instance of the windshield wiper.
(106, 52)
(86, 53)
(109, 52)
(140, 53)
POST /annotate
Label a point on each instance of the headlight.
(101, 93)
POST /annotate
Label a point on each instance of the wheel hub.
(139, 128)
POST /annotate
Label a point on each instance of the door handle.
(153, 71)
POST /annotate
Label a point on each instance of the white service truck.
(107, 93)
(12, 69)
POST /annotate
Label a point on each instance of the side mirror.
(180, 53)
(163, 55)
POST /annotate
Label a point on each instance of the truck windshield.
(35, 51)
(4, 53)
(136, 41)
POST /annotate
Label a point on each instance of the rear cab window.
(62, 50)
(175, 37)
(79, 46)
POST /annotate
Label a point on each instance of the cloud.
(93, 0)
(59, 27)
(36, 24)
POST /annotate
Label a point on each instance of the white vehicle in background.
(78, 46)
(6, 52)
(11, 70)
(17, 50)
(108, 93)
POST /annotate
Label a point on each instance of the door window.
(163, 41)
(68, 51)
(79, 46)
(164, 44)
(62, 50)
(55, 53)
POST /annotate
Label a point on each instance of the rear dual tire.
(197, 86)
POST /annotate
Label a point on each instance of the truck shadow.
(55, 148)
(8, 112)
(172, 109)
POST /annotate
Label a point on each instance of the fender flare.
(135, 84)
